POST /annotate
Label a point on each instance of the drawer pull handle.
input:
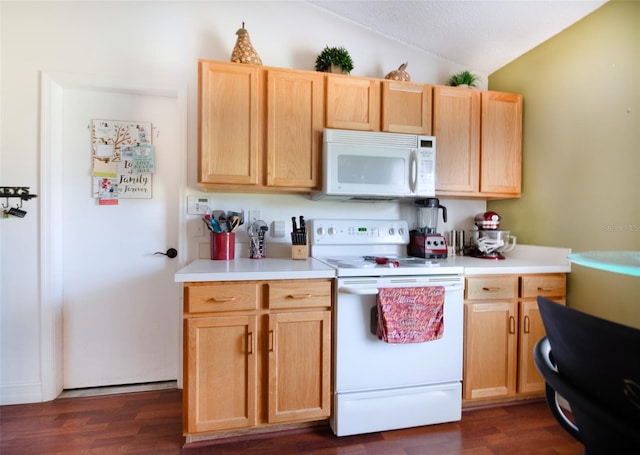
(222, 299)
(299, 296)
(250, 342)
(512, 324)
(546, 289)
(526, 324)
(272, 341)
(491, 289)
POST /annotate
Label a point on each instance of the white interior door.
(121, 307)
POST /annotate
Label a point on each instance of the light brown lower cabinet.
(256, 353)
(502, 325)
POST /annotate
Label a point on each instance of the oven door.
(364, 362)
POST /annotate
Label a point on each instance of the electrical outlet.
(198, 229)
(253, 216)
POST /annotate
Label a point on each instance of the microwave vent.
(371, 138)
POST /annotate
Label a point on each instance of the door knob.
(171, 253)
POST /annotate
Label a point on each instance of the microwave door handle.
(358, 291)
(413, 171)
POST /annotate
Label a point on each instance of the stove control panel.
(353, 232)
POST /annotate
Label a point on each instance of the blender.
(424, 241)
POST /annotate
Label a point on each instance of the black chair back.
(598, 373)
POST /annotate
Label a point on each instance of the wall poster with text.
(123, 160)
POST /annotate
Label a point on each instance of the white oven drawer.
(366, 412)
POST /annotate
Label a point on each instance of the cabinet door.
(406, 107)
(501, 162)
(490, 349)
(228, 135)
(295, 119)
(456, 126)
(352, 103)
(531, 330)
(220, 373)
(299, 345)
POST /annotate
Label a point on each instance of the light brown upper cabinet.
(406, 107)
(501, 144)
(353, 103)
(358, 103)
(260, 128)
(456, 126)
(479, 142)
(228, 124)
(295, 120)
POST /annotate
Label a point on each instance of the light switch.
(277, 229)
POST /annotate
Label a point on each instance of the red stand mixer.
(424, 241)
(487, 241)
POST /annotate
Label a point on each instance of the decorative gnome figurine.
(243, 52)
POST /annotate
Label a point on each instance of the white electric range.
(377, 385)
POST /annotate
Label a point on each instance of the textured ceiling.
(482, 35)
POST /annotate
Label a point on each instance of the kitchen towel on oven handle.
(410, 315)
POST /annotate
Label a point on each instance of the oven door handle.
(358, 291)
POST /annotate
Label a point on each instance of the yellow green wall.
(581, 151)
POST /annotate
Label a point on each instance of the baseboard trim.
(21, 393)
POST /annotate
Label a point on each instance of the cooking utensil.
(386, 261)
(256, 232)
(212, 223)
(234, 223)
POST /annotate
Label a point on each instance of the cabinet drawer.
(494, 287)
(221, 297)
(300, 294)
(545, 285)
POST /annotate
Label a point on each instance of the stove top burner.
(368, 262)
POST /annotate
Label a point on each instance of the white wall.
(159, 42)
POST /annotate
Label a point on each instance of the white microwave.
(371, 166)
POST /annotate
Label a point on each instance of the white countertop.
(254, 269)
(523, 259)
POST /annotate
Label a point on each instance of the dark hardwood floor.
(151, 423)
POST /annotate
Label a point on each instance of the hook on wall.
(21, 192)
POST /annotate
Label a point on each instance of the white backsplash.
(460, 214)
